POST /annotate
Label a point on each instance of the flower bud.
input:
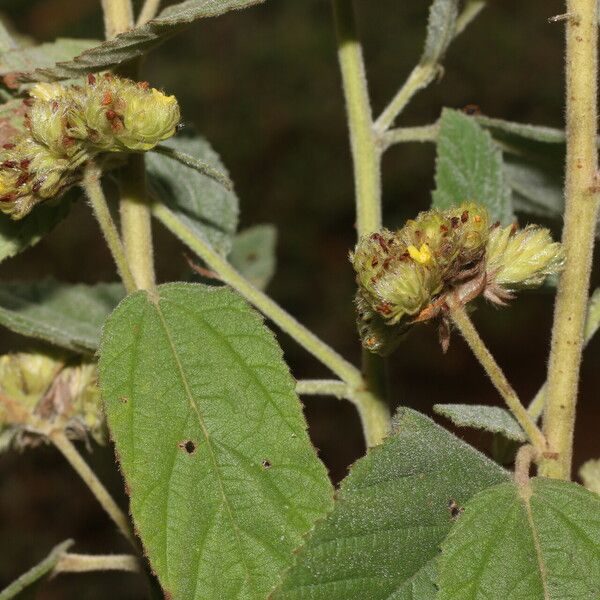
(395, 280)
(522, 258)
(41, 390)
(375, 334)
(124, 115)
(31, 173)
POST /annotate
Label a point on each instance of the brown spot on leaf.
(265, 464)
(188, 446)
(455, 509)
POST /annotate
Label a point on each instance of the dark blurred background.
(263, 86)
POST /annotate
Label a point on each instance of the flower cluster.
(65, 126)
(40, 390)
(404, 276)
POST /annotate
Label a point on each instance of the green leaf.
(392, 512)
(440, 30)
(223, 480)
(540, 541)
(253, 254)
(469, 167)
(139, 40)
(16, 236)
(489, 418)
(68, 316)
(203, 204)
(21, 60)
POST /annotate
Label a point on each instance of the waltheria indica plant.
(68, 126)
(227, 497)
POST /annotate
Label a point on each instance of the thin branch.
(400, 135)
(420, 77)
(365, 153)
(581, 213)
(465, 326)
(422, 74)
(40, 570)
(118, 17)
(469, 13)
(366, 157)
(68, 450)
(194, 163)
(93, 189)
(135, 223)
(323, 387)
(374, 417)
(84, 563)
(148, 12)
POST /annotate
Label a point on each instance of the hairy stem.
(465, 326)
(424, 73)
(84, 563)
(469, 13)
(365, 152)
(40, 570)
(323, 387)
(373, 417)
(136, 223)
(93, 188)
(118, 17)
(149, 11)
(424, 133)
(592, 324)
(366, 156)
(68, 450)
(420, 77)
(581, 212)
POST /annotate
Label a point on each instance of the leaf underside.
(489, 418)
(391, 514)
(211, 439)
(137, 41)
(68, 316)
(203, 204)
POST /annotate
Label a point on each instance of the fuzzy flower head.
(123, 115)
(519, 259)
(66, 126)
(41, 389)
(405, 277)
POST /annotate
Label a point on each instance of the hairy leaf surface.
(68, 316)
(139, 40)
(43, 56)
(489, 418)
(391, 514)
(211, 440)
(202, 203)
(440, 29)
(469, 167)
(540, 541)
